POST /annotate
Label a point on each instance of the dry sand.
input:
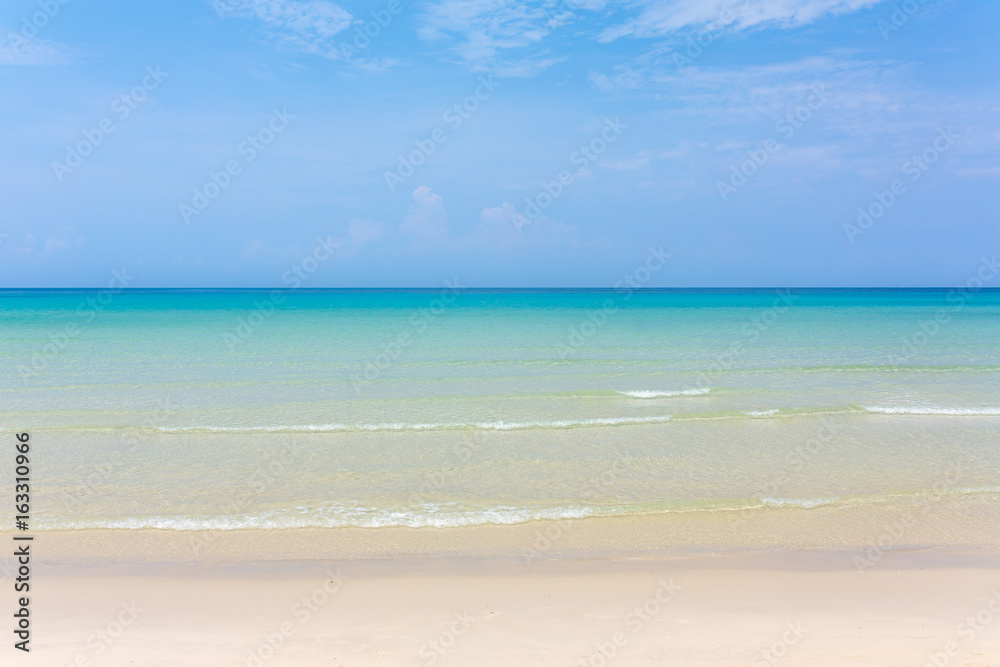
(797, 608)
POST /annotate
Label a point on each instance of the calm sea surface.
(223, 409)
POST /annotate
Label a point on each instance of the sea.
(451, 407)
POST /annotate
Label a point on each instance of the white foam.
(979, 489)
(339, 516)
(563, 423)
(649, 393)
(426, 515)
(499, 425)
(761, 413)
(807, 503)
(928, 410)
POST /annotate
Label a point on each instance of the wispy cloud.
(307, 26)
(502, 36)
(760, 91)
(58, 241)
(362, 231)
(15, 49)
(486, 27)
(511, 36)
(875, 116)
(636, 163)
(496, 229)
(662, 17)
(979, 172)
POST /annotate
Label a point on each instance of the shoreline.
(958, 524)
(791, 560)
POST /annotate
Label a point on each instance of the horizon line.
(485, 289)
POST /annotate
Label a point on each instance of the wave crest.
(651, 393)
(929, 410)
(499, 425)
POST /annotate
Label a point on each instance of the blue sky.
(224, 143)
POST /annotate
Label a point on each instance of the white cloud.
(427, 220)
(508, 36)
(813, 158)
(374, 65)
(261, 251)
(15, 49)
(56, 243)
(361, 231)
(483, 31)
(497, 228)
(307, 26)
(624, 78)
(497, 223)
(638, 162)
(427, 217)
(487, 26)
(522, 69)
(979, 172)
(738, 94)
(662, 17)
(868, 103)
(684, 150)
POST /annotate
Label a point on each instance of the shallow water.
(233, 409)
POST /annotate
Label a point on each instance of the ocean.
(190, 410)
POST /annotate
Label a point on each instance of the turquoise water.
(454, 407)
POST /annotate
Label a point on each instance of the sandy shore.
(967, 523)
(798, 608)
